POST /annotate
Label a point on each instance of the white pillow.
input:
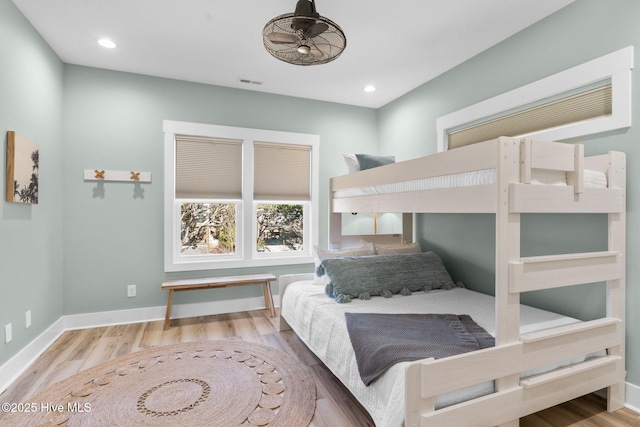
(411, 248)
(352, 162)
(366, 249)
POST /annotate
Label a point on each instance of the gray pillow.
(368, 161)
(365, 249)
(363, 277)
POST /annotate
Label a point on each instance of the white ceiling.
(395, 45)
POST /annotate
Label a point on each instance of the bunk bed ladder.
(553, 271)
(515, 274)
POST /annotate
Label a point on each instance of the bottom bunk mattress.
(320, 323)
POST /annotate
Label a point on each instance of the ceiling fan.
(304, 37)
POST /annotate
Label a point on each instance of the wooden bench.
(220, 282)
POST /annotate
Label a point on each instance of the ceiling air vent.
(249, 82)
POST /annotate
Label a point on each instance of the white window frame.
(247, 255)
(615, 66)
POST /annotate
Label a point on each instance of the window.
(590, 98)
(238, 197)
(588, 104)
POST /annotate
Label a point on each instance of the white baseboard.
(15, 366)
(632, 397)
(148, 314)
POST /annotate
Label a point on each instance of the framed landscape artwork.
(22, 169)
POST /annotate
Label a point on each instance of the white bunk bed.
(417, 186)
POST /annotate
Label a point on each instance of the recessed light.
(370, 88)
(108, 43)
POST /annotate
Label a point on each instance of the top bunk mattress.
(592, 179)
(320, 323)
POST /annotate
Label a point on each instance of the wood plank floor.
(80, 349)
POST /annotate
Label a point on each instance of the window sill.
(267, 261)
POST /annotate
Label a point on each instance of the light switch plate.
(8, 336)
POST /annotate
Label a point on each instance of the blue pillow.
(368, 161)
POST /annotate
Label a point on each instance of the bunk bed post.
(335, 230)
(576, 177)
(507, 250)
(335, 223)
(407, 228)
(616, 288)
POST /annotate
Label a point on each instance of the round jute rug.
(215, 383)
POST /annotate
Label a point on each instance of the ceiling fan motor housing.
(306, 8)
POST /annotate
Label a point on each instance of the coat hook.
(99, 174)
(135, 176)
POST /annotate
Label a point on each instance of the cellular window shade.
(281, 171)
(586, 105)
(208, 168)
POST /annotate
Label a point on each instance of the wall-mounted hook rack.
(121, 176)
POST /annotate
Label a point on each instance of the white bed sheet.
(319, 322)
(592, 179)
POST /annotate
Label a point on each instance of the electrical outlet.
(131, 291)
(27, 319)
(8, 336)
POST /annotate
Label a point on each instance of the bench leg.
(268, 299)
(168, 314)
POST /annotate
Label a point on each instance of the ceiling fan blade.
(302, 23)
(282, 38)
(315, 30)
(315, 51)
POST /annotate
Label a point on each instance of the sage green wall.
(31, 78)
(113, 121)
(583, 31)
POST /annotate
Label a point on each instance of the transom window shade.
(583, 106)
(281, 171)
(208, 168)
